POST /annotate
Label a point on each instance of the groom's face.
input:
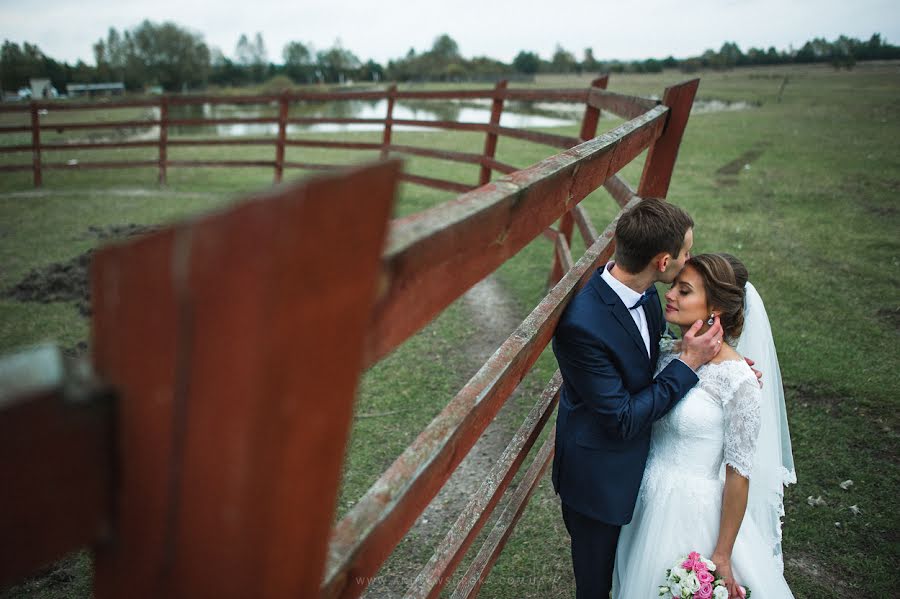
(677, 263)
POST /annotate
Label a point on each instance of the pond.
(515, 114)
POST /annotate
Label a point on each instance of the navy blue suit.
(608, 401)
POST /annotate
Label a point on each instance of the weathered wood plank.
(238, 386)
(56, 462)
(436, 255)
(627, 107)
(474, 516)
(549, 139)
(490, 140)
(592, 113)
(475, 576)
(436, 183)
(364, 538)
(619, 189)
(585, 226)
(660, 162)
(468, 157)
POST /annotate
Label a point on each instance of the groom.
(607, 344)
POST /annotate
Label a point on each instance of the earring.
(712, 320)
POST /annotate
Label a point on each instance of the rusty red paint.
(592, 113)
(585, 226)
(619, 189)
(211, 501)
(490, 141)
(56, 463)
(474, 578)
(474, 516)
(660, 162)
(627, 107)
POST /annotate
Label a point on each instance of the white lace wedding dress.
(680, 501)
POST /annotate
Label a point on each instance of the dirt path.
(495, 316)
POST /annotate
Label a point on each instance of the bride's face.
(686, 299)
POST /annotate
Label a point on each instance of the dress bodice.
(715, 424)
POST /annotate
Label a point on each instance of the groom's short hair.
(650, 228)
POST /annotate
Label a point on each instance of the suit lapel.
(654, 323)
(621, 313)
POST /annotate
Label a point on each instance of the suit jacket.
(608, 401)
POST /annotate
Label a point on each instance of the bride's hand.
(723, 569)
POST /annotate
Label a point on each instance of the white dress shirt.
(629, 297)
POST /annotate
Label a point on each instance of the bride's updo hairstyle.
(724, 277)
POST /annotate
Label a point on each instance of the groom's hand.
(758, 374)
(697, 350)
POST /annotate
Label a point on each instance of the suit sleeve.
(589, 372)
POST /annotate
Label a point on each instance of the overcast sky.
(386, 29)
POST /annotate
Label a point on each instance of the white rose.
(691, 583)
(676, 590)
(709, 565)
(679, 573)
(720, 593)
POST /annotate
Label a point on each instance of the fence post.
(163, 139)
(567, 222)
(282, 134)
(388, 121)
(238, 387)
(662, 153)
(36, 144)
(490, 142)
(591, 113)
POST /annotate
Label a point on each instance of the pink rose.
(705, 591)
(693, 556)
(688, 565)
(704, 576)
(699, 566)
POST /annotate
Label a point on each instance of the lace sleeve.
(742, 423)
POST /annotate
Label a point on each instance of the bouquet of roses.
(692, 578)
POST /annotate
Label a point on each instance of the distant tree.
(445, 49)
(172, 57)
(337, 63)
(730, 55)
(563, 61)
(589, 63)
(252, 56)
(298, 62)
(371, 71)
(526, 62)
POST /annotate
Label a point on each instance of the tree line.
(176, 59)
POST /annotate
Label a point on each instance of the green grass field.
(809, 203)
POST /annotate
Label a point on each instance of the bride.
(719, 461)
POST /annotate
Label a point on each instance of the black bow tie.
(643, 300)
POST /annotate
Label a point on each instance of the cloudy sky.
(385, 29)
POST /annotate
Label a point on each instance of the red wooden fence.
(594, 99)
(201, 453)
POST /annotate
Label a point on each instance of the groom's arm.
(589, 371)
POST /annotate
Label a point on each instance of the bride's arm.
(742, 423)
(734, 504)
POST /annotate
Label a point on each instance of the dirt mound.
(69, 281)
(58, 282)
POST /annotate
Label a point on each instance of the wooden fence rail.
(200, 454)
(626, 106)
